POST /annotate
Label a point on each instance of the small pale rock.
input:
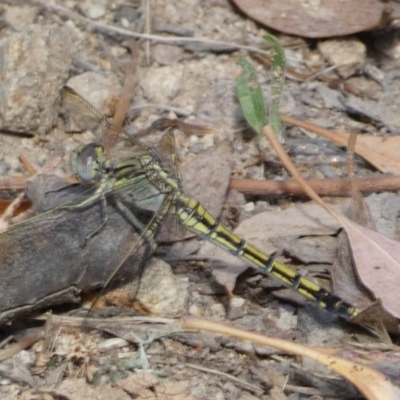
(160, 291)
(94, 10)
(20, 17)
(161, 85)
(100, 90)
(113, 343)
(195, 310)
(237, 302)
(331, 98)
(34, 65)
(350, 53)
(166, 54)
(217, 310)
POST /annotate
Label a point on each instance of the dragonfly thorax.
(87, 163)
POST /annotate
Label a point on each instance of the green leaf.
(277, 82)
(250, 95)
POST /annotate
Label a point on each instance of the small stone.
(349, 53)
(331, 98)
(160, 291)
(35, 64)
(20, 17)
(100, 90)
(195, 310)
(94, 10)
(161, 85)
(217, 310)
(237, 302)
(166, 54)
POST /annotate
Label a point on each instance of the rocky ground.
(90, 47)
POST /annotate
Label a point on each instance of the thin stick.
(166, 39)
(127, 92)
(247, 385)
(324, 187)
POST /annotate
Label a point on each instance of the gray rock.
(21, 17)
(166, 54)
(161, 85)
(100, 90)
(34, 65)
(331, 98)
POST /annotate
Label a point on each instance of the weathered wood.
(47, 260)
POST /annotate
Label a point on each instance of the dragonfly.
(150, 183)
(145, 189)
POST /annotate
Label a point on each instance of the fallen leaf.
(324, 18)
(377, 259)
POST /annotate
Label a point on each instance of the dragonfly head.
(87, 163)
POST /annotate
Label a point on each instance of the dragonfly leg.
(87, 203)
(131, 219)
(104, 218)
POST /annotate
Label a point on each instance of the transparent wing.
(87, 117)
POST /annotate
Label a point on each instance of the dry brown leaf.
(377, 259)
(324, 18)
(376, 256)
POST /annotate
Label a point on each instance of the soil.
(50, 44)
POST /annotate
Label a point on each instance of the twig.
(147, 28)
(324, 187)
(10, 211)
(163, 107)
(166, 39)
(29, 167)
(247, 385)
(127, 92)
(21, 345)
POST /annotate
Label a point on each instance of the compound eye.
(87, 161)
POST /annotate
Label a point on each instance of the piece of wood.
(48, 260)
(324, 187)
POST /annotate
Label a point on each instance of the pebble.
(195, 310)
(21, 17)
(237, 302)
(113, 343)
(161, 84)
(101, 90)
(331, 98)
(166, 54)
(349, 53)
(94, 10)
(217, 310)
(35, 64)
(160, 291)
